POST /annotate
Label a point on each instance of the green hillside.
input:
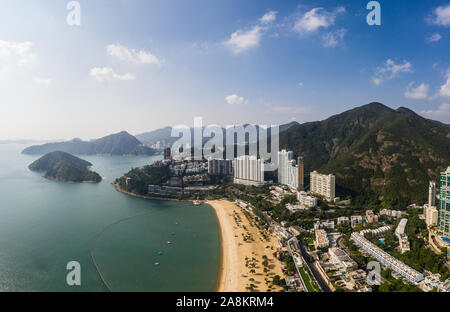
(380, 156)
(121, 143)
(64, 167)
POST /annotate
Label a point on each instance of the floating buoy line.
(94, 241)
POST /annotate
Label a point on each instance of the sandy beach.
(248, 263)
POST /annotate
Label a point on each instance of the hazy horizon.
(56, 139)
(138, 66)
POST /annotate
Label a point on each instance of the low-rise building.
(324, 225)
(371, 217)
(294, 208)
(343, 220)
(341, 259)
(401, 235)
(295, 230)
(386, 259)
(355, 221)
(281, 233)
(379, 232)
(401, 227)
(306, 200)
(391, 213)
(321, 240)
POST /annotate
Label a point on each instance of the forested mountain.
(121, 143)
(379, 155)
(164, 135)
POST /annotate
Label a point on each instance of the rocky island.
(64, 167)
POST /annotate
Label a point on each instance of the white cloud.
(390, 70)
(43, 81)
(441, 16)
(445, 88)
(315, 19)
(126, 54)
(332, 39)
(442, 113)
(300, 84)
(241, 41)
(235, 100)
(103, 74)
(418, 93)
(269, 17)
(434, 37)
(19, 53)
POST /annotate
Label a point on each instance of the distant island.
(63, 167)
(118, 144)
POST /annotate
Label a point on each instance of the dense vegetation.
(381, 157)
(420, 257)
(64, 167)
(121, 143)
(140, 178)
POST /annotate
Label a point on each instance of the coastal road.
(316, 274)
(291, 252)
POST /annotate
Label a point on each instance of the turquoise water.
(46, 224)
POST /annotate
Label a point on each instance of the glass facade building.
(444, 206)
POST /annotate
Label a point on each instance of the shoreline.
(118, 189)
(223, 281)
(68, 182)
(241, 259)
(242, 248)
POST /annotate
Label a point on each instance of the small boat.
(169, 242)
(196, 202)
(176, 223)
(156, 263)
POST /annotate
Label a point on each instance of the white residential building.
(306, 200)
(386, 259)
(343, 220)
(401, 235)
(341, 259)
(431, 216)
(391, 213)
(401, 227)
(324, 225)
(323, 185)
(287, 169)
(249, 170)
(379, 232)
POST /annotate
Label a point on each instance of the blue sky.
(139, 65)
